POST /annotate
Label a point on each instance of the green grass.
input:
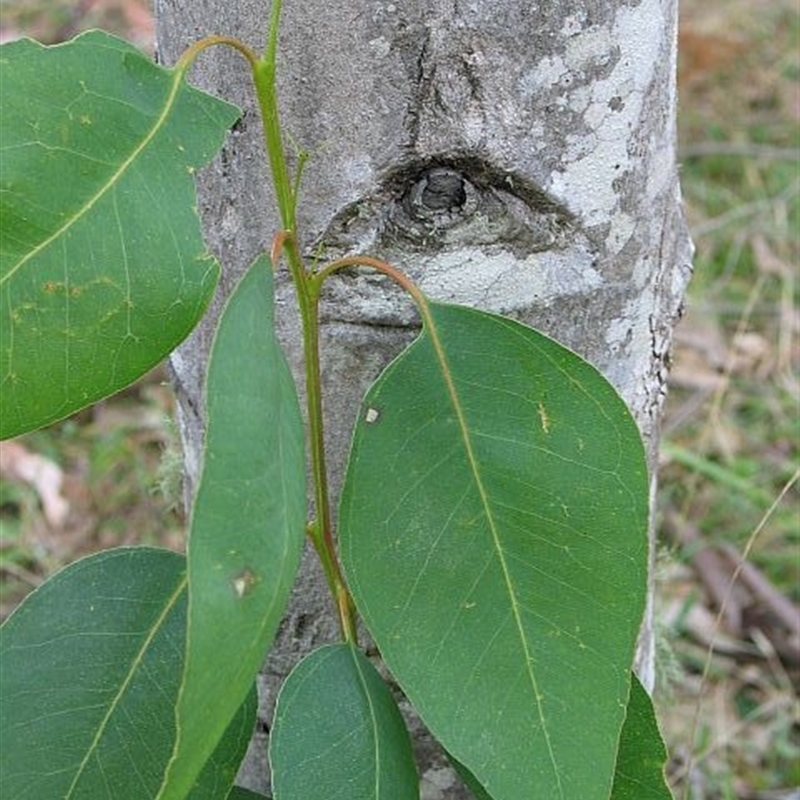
(732, 437)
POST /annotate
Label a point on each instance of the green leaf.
(222, 768)
(248, 522)
(91, 664)
(493, 530)
(238, 793)
(103, 270)
(470, 781)
(640, 761)
(642, 755)
(337, 732)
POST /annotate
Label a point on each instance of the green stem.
(190, 54)
(321, 530)
(266, 92)
(263, 70)
(400, 278)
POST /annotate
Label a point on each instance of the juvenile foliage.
(91, 672)
(492, 531)
(103, 270)
(337, 725)
(493, 523)
(248, 523)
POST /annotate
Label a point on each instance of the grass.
(731, 436)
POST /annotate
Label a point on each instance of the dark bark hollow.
(515, 157)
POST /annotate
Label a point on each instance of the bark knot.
(451, 201)
(438, 190)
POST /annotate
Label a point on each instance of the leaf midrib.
(135, 664)
(441, 357)
(108, 185)
(374, 727)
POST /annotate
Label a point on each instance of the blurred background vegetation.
(730, 643)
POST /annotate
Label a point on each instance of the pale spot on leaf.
(244, 582)
(544, 418)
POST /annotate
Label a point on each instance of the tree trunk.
(513, 156)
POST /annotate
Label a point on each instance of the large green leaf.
(639, 773)
(91, 666)
(642, 755)
(493, 532)
(103, 270)
(337, 732)
(248, 522)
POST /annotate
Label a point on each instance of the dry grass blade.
(720, 616)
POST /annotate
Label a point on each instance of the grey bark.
(514, 156)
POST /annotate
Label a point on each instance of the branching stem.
(308, 285)
(191, 53)
(320, 530)
(399, 277)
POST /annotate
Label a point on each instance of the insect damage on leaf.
(244, 582)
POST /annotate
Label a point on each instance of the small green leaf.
(337, 732)
(493, 530)
(642, 755)
(91, 665)
(248, 522)
(103, 270)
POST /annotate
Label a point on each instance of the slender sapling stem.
(320, 530)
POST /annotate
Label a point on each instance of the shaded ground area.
(730, 649)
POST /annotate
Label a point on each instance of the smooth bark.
(514, 156)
